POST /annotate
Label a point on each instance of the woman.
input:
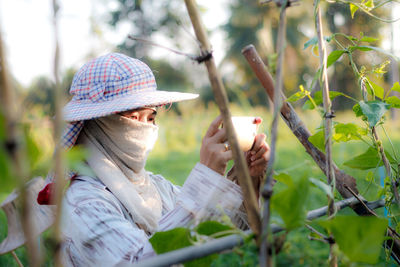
(110, 211)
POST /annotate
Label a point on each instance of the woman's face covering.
(146, 115)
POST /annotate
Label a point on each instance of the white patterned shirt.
(99, 231)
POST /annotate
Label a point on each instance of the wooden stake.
(242, 172)
(327, 124)
(265, 258)
(14, 148)
(59, 172)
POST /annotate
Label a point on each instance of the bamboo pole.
(242, 172)
(327, 124)
(14, 148)
(229, 242)
(60, 181)
(265, 259)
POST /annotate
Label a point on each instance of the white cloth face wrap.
(118, 149)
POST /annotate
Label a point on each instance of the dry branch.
(242, 172)
(265, 259)
(295, 124)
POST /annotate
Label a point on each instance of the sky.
(28, 34)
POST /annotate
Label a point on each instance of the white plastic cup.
(246, 130)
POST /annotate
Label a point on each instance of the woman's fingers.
(258, 141)
(213, 152)
(213, 128)
(261, 152)
(261, 160)
(219, 136)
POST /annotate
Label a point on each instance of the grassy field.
(177, 151)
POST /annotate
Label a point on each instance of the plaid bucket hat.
(106, 85)
(110, 84)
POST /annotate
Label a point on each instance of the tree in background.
(41, 92)
(148, 18)
(251, 22)
(339, 19)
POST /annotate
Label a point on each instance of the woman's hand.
(257, 158)
(213, 151)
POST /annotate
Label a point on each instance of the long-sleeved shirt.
(99, 231)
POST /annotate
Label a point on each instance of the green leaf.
(170, 240)
(396, 87)
(368, 39)
(227, 259)
(318, 99)
(312, 41)
(357, 110)
(2, 127)
(205, 261)
(374, 110)
(284, 178)
(353, 9)
(347, 131)
(290, 203)
(369, 48)
(368, 160)
(323, 186)
(380, 69)
(369, 4)
(245, 255)
(296, 96)
(32, 148)
(394, 101)
(378, 90)
(360, 238)
(333, 57)
(308, 105)
(318, 140)
(7, 179)
(211, 227)
(369, 177)
(360, 47)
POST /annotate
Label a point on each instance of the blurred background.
(92, 28)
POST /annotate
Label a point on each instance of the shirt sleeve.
(96, 230)
(100, 233)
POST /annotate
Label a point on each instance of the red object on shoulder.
(46, 194)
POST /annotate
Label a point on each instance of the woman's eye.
(134, 117)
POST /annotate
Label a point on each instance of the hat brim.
(78, 110)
